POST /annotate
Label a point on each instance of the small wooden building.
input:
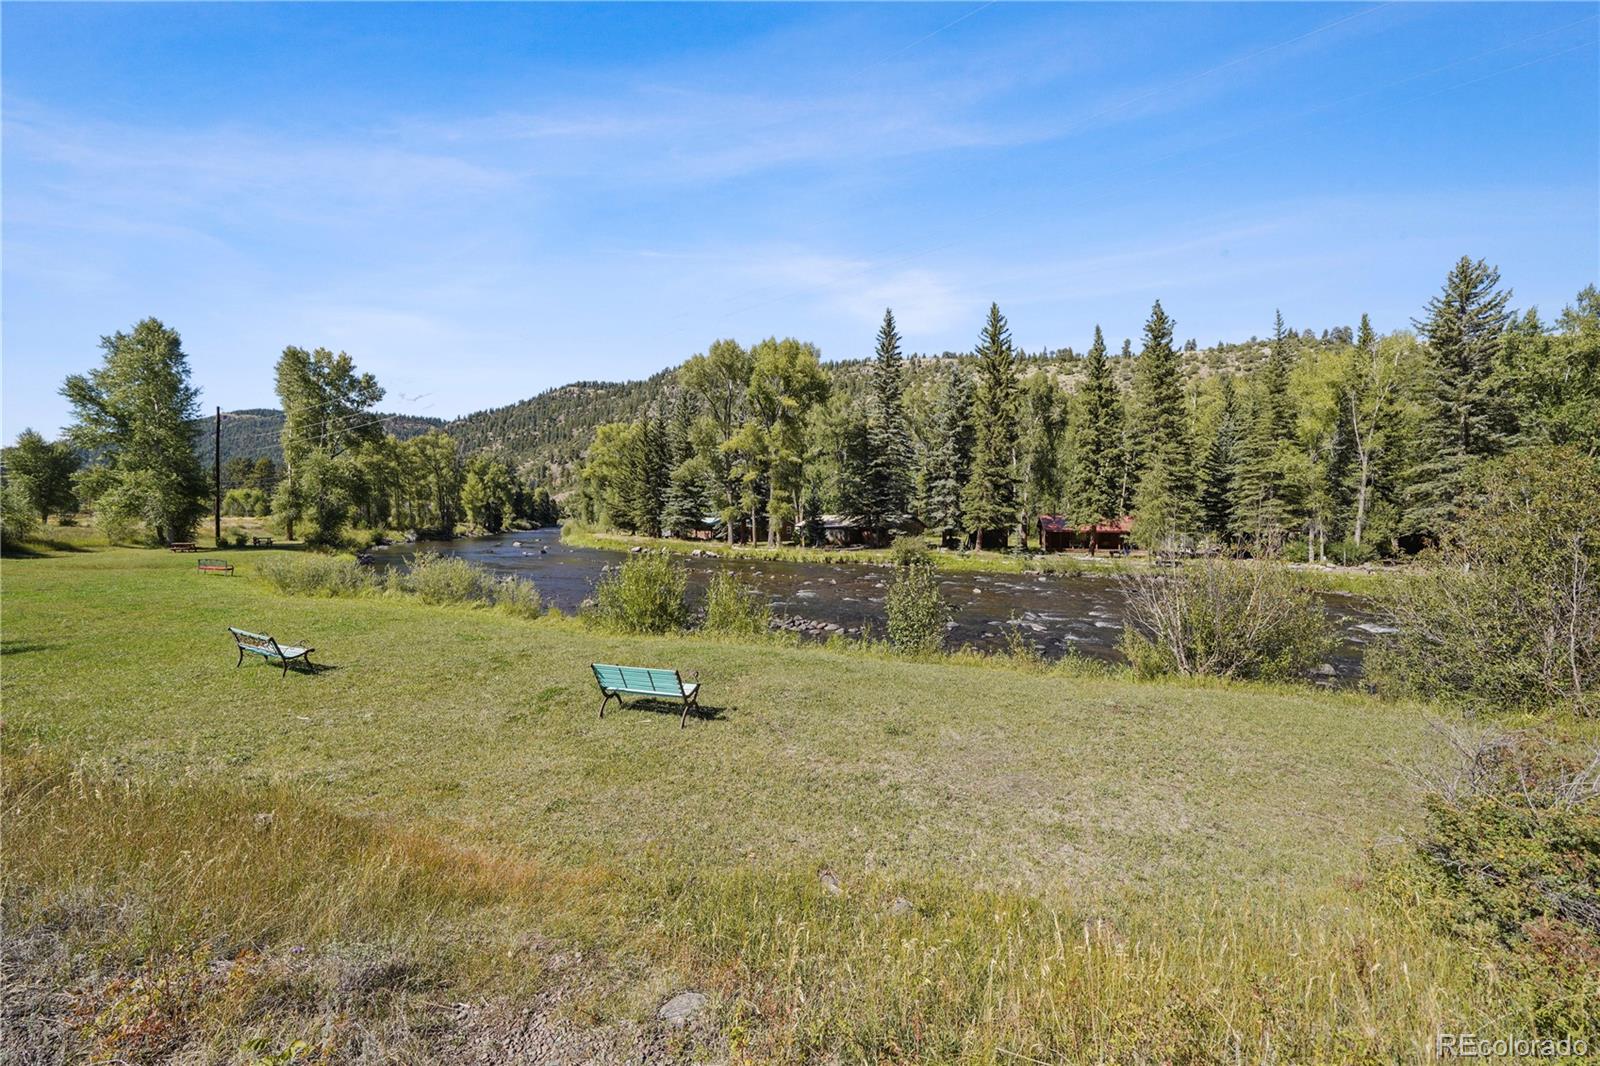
(1059, 534)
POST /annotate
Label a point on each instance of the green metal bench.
(269, 649)
(645, 681)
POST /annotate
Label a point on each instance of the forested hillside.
(1342, 443)
(257, 433)
(547, 435)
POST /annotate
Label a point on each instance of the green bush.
(18, 519)
(909, 551)
(645, 595)
(437, 579)
(1224, 619)
(246, 503)
(518, 598)
(1506, 615)
(917, 612)
(1508, 861)
(314, 574)
(733, 608)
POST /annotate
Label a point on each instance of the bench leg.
(285, 670)
(241, 659)
(609, 697)
(693, 701)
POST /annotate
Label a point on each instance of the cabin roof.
(1054, 523)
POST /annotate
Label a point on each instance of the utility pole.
(216, 477)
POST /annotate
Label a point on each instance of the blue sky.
(479, 202)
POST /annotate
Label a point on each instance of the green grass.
(1097, 868)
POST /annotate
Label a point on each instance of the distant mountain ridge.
(546, 435)
(257, 432)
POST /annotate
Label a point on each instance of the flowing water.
(1078, 613)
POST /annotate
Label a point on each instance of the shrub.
(917, 612)
(246, 503)
(909, 551)
(517, 597)
(314, 574)
(1224, 619)
(1506, 615)
(1508, 861)
(733, 608)
(437, 579)
(646, 595)
(18, 519)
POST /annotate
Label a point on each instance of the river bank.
(1078, 612)
(1351, 580)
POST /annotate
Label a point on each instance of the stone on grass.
(901, 905)
(681, 1008)
(831, 883)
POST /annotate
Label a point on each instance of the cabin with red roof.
(1059, 534)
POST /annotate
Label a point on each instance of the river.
(1058, 614)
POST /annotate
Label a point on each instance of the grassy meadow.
(856, 858)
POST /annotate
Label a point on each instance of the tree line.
(1349, 445)
(130, 455)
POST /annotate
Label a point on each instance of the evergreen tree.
(989, 499)
(1466, 419)
(1267, 502)
(1220, 469)
(648, 469)
(689, 497)
(1043, 446)
(890, 453)
(1165, 503)
(949, 453)
(1366, 339)
(1096, 489)
(137, 415)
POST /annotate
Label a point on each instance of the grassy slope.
(1158, 804)
(490, 724)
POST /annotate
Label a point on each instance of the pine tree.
(1043, 445)
(949, 454)
(1097, 483)
(1466, 419)
(689, 496)
(1267, 503)
(889, 435)
(646, 472)
(1220, 468)
(989, 500)
(1366, 339)
(1165, 503)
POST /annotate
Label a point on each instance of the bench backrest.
(214, 564)
(257, 642)
(638, 679)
